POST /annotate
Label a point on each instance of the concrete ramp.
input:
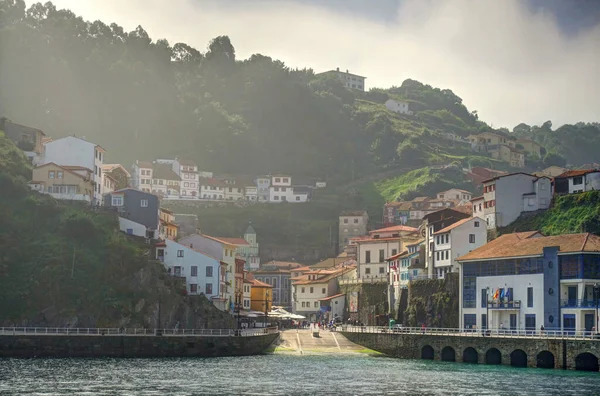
(302, 342)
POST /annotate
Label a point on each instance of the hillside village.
(425, 239)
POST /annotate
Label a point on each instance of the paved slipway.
(302, 342)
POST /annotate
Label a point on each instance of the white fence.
(496, 332)
(60, 331)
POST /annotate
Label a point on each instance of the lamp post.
(266, 307)
(487, 308)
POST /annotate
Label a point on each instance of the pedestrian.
(422, 328)
(177, 327)
(542, 329)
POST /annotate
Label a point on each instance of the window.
(577, 180)
(186, 184)
(316, 304)
(437, 256)
(530, 297)
(471, 238)
(447, 254)
(394, 252)
(381, 255)
(381, 270)
(303, 304)
(117, 200)
(285, 180)
(311, 290)
(50, 174)
(530, 322)
(276, 198)
(476, 224)
(297, 198)
(368, 256)
(367, 271)
(345, 221)
(193, 288)
(483, 298)
(180, 253)
(470, 321)
(355, 221)
(144, 203)
(194, 271)
(302, 290)
(274, 283)
(277, 180)
(59, 175)
(209, 288)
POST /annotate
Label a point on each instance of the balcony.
(574, 303)
(510, 305)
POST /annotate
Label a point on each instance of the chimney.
(337, 69)
(347, 71)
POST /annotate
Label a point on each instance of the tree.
(554, 159)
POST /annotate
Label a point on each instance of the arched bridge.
(543, 352)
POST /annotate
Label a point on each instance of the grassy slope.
(572, 213)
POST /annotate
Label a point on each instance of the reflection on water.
(283, 374)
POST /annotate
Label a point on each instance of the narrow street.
(303, 342)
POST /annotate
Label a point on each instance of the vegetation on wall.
(433, 302)
(572, 213)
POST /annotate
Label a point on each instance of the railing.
(504, 305)
(575, 303)
(492, 332)
(353, 281)
(61, 331)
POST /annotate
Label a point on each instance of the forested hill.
(143, 98)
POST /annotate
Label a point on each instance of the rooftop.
(532, 243)
(234, 241)
(164, 171)
(332, 297)
(394, 228)
(455, 225)
(574, 173)
(506, 175)
(353, 213)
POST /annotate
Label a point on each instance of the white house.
(212, 189)
(233, 189)
(455, 193)
(455, 241)
(313, 286)
(200, 271)
(526, 280)
(349, 80)
(398, 106)
(221, 250)
(281, 189)
(188, 172)
(506, 196)
(262, 184)
(141, 177)
(577, 181)
(251, 193)
(74, 151)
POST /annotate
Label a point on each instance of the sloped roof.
(187, 162)
(397, 256)
(531, 244)
(250, 229)
(303, 279)
(112, 167)
(574, 173)
(331, 297)
(353, 213)
(234, 241)
(144, 164)
(455, 189)
(505, 175)
(164, 171)
(394, 228)
(457, 224)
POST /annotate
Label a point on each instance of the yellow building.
(168, 227)
(490, 139)
(509, 155)
(63, 182)
(530, 147)
(261, 297)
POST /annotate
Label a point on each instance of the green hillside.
(569, 214)
(62, 264)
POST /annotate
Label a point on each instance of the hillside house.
(63, 182)
(576, 181)
(398, 106)
(350, 81)
(138, 211)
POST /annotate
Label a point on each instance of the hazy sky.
(513, 61)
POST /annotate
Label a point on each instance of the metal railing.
(504, 304)
(577, 303)
(492, 332)
(63, 331)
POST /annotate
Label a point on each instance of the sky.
(511, 60)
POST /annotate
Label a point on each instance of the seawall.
(560, 353)
(132, 346)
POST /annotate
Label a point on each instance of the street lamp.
(487, 308)
(266, 308)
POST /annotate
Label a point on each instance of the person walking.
(422, 328)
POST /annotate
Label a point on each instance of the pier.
(114, 342)
(560, 350)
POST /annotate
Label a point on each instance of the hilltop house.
(499, 147)
(576, 181)
(352, 223)
(77, 152)
(526, 280)
(456, 194)
(263, 184)
(26, 138)
(211, 188)
(168, 229)
(353, 81)
(506, 197)
(246, 248)
(118, 173)
(63, 182)
(398, 106)
(530, 147)
(138, 211)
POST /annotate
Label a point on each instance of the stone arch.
(427, 352)
(470, 355)
(545, 359)
(586, 361)
(493, 356)
(518, 358)
(448, 354)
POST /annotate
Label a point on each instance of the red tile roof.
(573, 173)
(477, 198)
(204, 181)
(257, 283)
(144, 164)
(531, 244)
(394, 228)
(457, 224)
(397, 256)
(508, 174)
(331, 297)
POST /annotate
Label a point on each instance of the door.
(572, 292)
(530, 323)
(484, 322)
(177, 271)
(589, 322)
(569, 323)
(513, 321)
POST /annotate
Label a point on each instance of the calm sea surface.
(281, 374)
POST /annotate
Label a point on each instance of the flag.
(496, 293)
(507, 294)
(502, 294)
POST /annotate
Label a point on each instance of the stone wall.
(372, 302)
(433, 302)
(131, 346)
(530, 352)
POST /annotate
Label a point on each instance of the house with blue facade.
(526, 280)
(138, 211)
